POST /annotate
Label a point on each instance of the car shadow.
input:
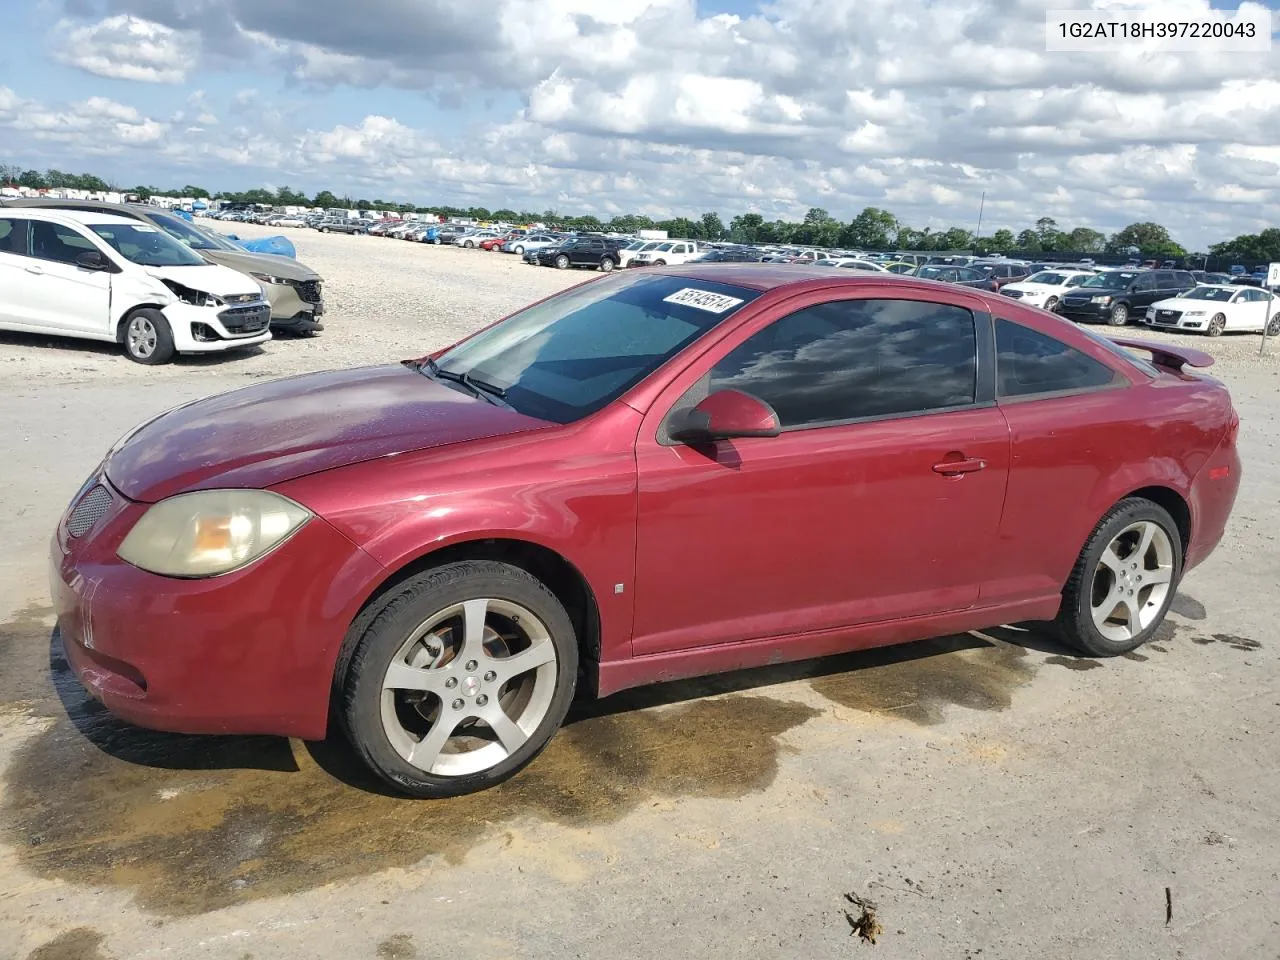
(70, 346)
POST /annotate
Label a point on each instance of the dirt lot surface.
(990, 795)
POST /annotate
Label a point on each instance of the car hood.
(270, 263)
(215, 279)
(1181, 303)
(285, 429)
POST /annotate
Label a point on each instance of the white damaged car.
(104, 277)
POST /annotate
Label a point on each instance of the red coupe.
(652, 475)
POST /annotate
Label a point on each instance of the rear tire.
(454, 630)
(146, 337)
(324, 229)
(607, 265)
(1121, 587)
(1273, 328)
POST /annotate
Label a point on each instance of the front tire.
(1216, 325)
(1123, 582)
(468, 244)
(459, 679)
(519, 251)
(324, 229)
(146, 337)
(562, 262)
(1051, 304)
(1119, 315)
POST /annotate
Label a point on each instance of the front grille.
(91, 508)
(243, 298)
(1016, 294)
(308, 291)
(1168, 316)
(244, 320)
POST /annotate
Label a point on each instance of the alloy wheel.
(1132, 581)
(1216, 326)
(469, 687)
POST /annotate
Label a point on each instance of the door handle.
(954, 468)
(34, 269)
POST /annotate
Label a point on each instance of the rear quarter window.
(1033, 364)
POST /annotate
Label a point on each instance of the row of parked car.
(140, 276)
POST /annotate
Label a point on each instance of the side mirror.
(727, 415)
(93, 260)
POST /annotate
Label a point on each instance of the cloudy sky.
(655, 106)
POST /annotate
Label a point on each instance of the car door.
(1248, 310)
(879, 500)
(72, 298)
(21, 279)
(1143, 292)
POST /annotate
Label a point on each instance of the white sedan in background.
(1044, 288)
(852, 263)
(1215, 309)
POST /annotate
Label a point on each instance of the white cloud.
(126, 48)
(915, 105)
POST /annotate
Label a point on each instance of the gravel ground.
(993, 795)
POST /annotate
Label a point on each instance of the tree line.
(872, 229)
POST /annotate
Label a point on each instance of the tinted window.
(1144, 283)
(53, 241)
(1183, 279)
(1030, 363)
(1165, 279)
(856, 358)
(13, 236)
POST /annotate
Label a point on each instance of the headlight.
(1194, 313)
(197, 298)
(211, 532)
(267, 278)
(1102, 300)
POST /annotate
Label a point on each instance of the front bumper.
(1087, 312)
(249, 652)
(213, 329)
(296, 306)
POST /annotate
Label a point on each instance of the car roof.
(86, 217)
(768, 276)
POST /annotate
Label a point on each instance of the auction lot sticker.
(702, 300)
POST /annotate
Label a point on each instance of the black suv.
(599, 252)
(1114, 296)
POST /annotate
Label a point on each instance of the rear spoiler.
(1164, 355)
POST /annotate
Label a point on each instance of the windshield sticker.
(703, 300)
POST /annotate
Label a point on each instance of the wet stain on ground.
(82, 943)
(398, 946)
(1136, 656)
(1229, 640)
(919, 681)
(192, 824)
(1074, 663)
(24, 654)
(1188, 607)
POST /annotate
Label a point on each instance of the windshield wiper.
(485, 391)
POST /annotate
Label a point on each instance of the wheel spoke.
(1111, 559)
(1134, 610)
(426, 752)
(474, 615)
(401, 676)
(1103, 611)
(538, 653)
(507, 731)
(1157, 576)
(1149, 531)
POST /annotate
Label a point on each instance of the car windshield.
(1048, 278)
(569, 356)
(147, 246)
(934, 273)
(192, 236)
(1111, 280)
(1210, 293)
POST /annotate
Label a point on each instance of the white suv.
(666, 252)
(103, 277)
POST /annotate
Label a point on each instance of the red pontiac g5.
(652, 475)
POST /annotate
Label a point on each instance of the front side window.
(856, 359)
(569, 356)
(1029, 363)
(53, 241)
(1144, 284)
